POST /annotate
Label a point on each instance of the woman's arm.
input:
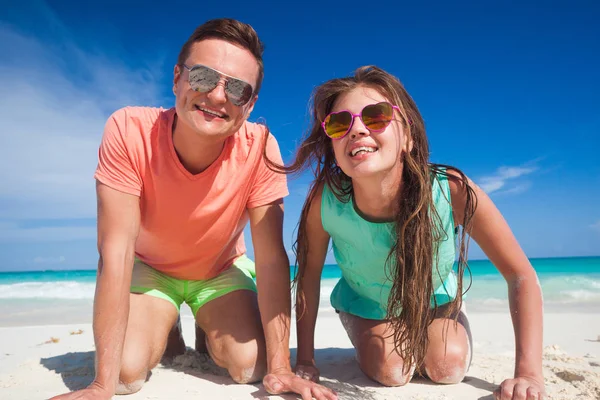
(491, 232)
(308, 305)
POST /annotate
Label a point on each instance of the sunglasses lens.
(337, 124)
(377, 117)
(203, 79)
(239, 92)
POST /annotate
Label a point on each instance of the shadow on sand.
(329, 360)
(75, 369)
(479, 383)
(338, 366)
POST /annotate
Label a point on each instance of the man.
(175, 189)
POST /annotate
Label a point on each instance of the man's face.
(212, 114)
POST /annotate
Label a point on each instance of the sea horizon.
(565, 282)
(15, 271)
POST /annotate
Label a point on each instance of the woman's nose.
(358, 127)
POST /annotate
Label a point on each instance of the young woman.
(393, 218)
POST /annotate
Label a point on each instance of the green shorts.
(147, 280)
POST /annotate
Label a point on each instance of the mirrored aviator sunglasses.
(375, 117)
(204, 79)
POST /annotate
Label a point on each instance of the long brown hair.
(417, 224)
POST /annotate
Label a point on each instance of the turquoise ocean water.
(564, 281)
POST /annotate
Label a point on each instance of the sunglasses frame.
(222, 76)
(359, 115)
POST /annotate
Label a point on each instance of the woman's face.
(362, 153)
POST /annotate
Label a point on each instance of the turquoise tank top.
(361, 250)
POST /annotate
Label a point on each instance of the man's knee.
(447, 367)
(245, 364)
(132, 377)
(129, 388)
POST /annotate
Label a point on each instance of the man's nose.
(218, 94)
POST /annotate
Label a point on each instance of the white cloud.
(517, 189)
(504, 179)
(54, 100)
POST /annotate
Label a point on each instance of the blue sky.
(508, 90)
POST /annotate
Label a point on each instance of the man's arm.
(274, 302)
(118, 227)
(273, 282)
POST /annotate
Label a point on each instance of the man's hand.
(285, 382)
(92, 392)
(307, 370)
(520, 388)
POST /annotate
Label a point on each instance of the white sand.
(33, 367)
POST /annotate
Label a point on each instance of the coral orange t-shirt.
(191, 225)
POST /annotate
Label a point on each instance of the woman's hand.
(521, 388)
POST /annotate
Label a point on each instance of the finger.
(318, 394)
(533, 394)
(273, 385)
(329, 393)
(302, 387)
(520, 391)
(306, 393)
(497, 394)
(322, 393)
(506, 390)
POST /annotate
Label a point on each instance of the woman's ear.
(407, 146)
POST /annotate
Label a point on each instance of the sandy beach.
(37, 362)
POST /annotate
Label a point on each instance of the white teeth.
(362, 149)
(211, 112)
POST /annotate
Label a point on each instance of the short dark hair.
(232, 31)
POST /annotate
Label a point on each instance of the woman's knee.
(389, 371)
(447, 366)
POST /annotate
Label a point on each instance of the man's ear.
(176, 77)
(250, 106)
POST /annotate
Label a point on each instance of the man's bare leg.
(150, 321)
(175, 342)
(234, 335)
(201, 341)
